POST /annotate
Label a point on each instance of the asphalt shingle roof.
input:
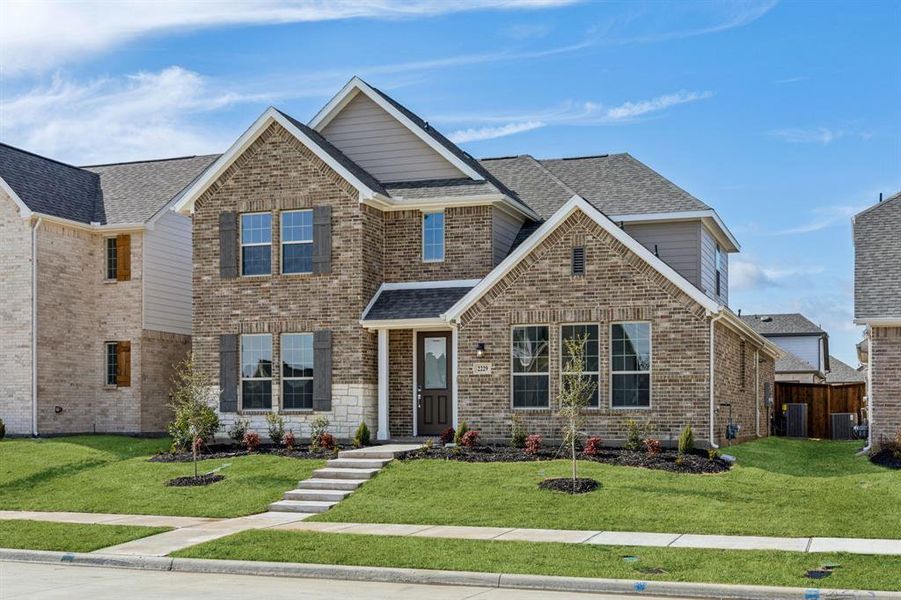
(843, 373)
(789, 363)
(534, 184)
(776, 324)
(414, 304)
(50, 187)
(877, 260)
(440, 188)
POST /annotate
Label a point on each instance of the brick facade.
(739, 386)
(885, 382)
(160, 353)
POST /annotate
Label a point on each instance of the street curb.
(430, 577)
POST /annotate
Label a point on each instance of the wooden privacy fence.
(822, 400)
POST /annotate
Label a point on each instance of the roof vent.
(578, 266)
(766, 319)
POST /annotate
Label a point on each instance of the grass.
(715, 566)
(779, 487)
(69, 537)
(111, 474)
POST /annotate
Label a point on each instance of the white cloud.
(823, 217)
(487, 133)
(630, 110)
(139, 116)
(48, 34)
(819, 135)
(745, 275)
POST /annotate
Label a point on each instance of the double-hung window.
(297, 371)
(256, 244)
(112, 259)
(531, 376)
(297, 241)
(112, 362)
(433, 237)
(630, 369)
(256, 372)
(590, 355)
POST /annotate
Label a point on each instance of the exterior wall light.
(480, 349)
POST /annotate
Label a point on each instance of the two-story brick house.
(363, 267)
(95, 273)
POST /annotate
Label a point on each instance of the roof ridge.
(585, 156)
(559, 181)
(505, 157)
(149, 160)
(36, 155)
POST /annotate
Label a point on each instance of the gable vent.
(578, 266)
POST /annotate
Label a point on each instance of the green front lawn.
(69, 537)
(779, 487)
(111, 474)
(715, 566)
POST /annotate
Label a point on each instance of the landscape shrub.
(238, 429)
(461, 431)
(652, 445)
(892, 445)
(276, 425)
(251, 440)
(533, 443)
(713, 453)
(290, 441)
(470, 439)
(2, 429)
(686, 440)
(326, 441)
(193, 417)
(635, 433)
(318, 429)
(361, 435)
(592, 446)
(447, 436)
(518, 432)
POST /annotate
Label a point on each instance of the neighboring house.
(840, 373)
(95, 272)
(805, 346)
(877, 305)
(362, 266)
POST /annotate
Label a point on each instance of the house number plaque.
(481, 368)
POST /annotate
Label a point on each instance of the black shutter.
(228, 245)
(228, 373)
(322, 239)
(322, 370)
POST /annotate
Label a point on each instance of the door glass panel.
(435, 363)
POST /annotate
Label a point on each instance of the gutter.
(34, 326)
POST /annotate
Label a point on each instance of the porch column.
(383, 433)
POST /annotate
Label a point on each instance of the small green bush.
(686, 440)
(276, 426)
(238, 429)
(319, 429)
(636, 433)
(518, 433)
(461, 431)
(361, 436)
(713, 453)
(2, 429)
(192, 419)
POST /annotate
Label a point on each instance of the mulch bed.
(192, 481)
(583, 485)
(227, 451)
(886, 458)
(695, 462)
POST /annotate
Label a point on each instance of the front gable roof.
(877, 264)
(365, 184)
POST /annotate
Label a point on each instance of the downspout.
(757, 389)
(869, 389)
(34, 327)
(712, 436)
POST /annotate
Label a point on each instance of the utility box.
(843, 425)
(796, 420)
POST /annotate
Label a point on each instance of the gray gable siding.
(379, 143)
(807, 348)
(877, 261)
(678, 244)
(504, 229)
(708, 268)
(167, 275)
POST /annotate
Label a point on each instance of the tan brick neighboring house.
(877, 305)
(363, 267)
(95, 272)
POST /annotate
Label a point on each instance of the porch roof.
(413, 303)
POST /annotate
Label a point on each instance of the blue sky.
(785, 117)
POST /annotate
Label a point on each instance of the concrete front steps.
(340, 477)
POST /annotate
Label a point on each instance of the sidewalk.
(190, 531)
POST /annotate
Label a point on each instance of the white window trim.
(242, 379)
(648, 372)
(596, 373)
(106, 264)
(241, 244)
(443, 236)
(281, 347)
(106, 348)
(513, 374)
(283, 243)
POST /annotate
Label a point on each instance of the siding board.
(678, 244)
(167, 275)
(504, 228)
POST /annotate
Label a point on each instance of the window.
(590, 359)
(256, 244)
(112, 259)
(297, 371)
(433, 237)
(531, 378)
(297, 241)
(112, 361)
(435, 351)
(578, 263)
(256, 372)
(720, 266)
(630, 370)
